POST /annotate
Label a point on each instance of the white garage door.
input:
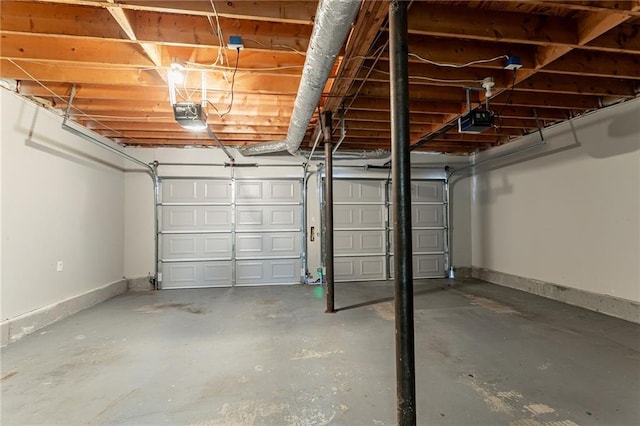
(428, 229)
(359, 222)
(224, 232)
(363, 229)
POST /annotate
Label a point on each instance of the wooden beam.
(597, 64)
(460, 51)
(182, 134)
(366, 27)
(147, 93)
(256, 35)
(621, 39)
(381, 116)
(591, 6)
(58, 19)
(301, 12)
(228, 120)
(59, 73)
(428, 18)
(48, 72)
(85, 52)
(544, 100)
(125, 126)
(417, 92)
(577, 84)
(90, 106)
(376, 104)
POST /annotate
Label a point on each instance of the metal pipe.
(449, 230)
(328, 212)
(305, 224)
(228, 165)
(155, 283)
(343, 132)
(213, 136)
(401, 192)
(313, 149)
(378, 154)
(151, 170)
(96, 141)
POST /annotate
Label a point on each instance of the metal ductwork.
(333, 23)
(263, 148)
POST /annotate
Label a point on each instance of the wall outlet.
(59, 266)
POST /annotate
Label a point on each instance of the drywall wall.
(62, 200)
(139, 252)
(566, 213)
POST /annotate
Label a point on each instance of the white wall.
(62, 200)
(571, 215)
(139, 240)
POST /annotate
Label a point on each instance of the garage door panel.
(196, 246)
(426, 266)
(427, 191)
(268, 245)
(353, 242)
(424, 240)
(268, 217)
(272, 272)
(268, 192)
(359, 268)
(200, 191)
(249, 191)
(216, 191)
(427, 215)
(424, 215)
(179, 191)
(284, 191)
(366, 191)
(196, 274)
(196, 218)
(357, 217)
(185, 218)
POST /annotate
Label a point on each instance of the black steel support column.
(328, 210)
(401, 193)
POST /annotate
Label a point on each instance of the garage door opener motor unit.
(190, 116)
(476, 121)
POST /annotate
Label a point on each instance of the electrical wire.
(513, 85)
(80, 112)
(479, 61)
(90, 67)
(419, 77)
(218, 33)
(233, 82)
(224, 68)
(275, 45)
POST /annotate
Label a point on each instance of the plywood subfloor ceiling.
(576, 56)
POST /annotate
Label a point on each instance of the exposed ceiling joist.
(575, 56)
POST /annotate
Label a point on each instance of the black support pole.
(401, 193)
(328, 210)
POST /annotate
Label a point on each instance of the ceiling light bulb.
(488, 84)
(176, 74)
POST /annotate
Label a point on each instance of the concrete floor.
(485, 355)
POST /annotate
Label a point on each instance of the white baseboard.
(14, 329)
(610, 305)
